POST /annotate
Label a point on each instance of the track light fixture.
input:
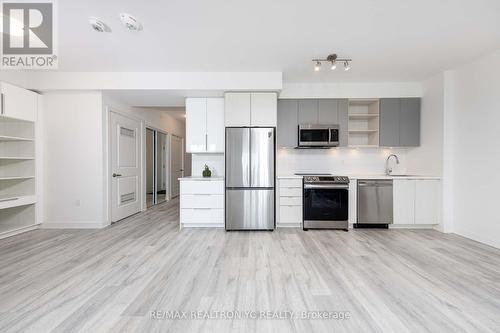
(332, 59)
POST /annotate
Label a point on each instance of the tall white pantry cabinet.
(20, 160)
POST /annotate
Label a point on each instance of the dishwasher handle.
(384, 182)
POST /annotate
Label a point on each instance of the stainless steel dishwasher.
(374, 203)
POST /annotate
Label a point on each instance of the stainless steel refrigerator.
(250, 165)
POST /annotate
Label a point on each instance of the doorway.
(176, 164)
(156, 167)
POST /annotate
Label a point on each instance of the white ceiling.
(388, 40)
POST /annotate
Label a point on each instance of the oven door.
(326, 202)
(310, 137)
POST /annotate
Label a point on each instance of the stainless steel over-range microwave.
(318, 135)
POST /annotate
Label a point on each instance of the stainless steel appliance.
(250, 167)
(326, 202)
(318, 136)
(374, 203)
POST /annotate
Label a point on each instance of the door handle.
(116, 175)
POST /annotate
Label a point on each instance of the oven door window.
(326, 204)
(314, 135)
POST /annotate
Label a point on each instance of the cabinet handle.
(206, 142)
(202, 208)
(2, 102)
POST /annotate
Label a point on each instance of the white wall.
(73, 159)
(428, 158)
(351, 90)
(472, 137)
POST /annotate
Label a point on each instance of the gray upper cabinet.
(292, 113)
(389, 122)
(343, 121)
(409, 122)
(400, 122)
(328, 112)
(287, 129)
(308, 111)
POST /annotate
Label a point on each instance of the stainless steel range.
(326, 202)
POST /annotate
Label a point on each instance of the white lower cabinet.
(202, 203)
(289, 202)
(417, 201)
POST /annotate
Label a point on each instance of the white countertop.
(360, 176)
(197, 178)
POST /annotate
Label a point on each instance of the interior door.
(177, 164)
(125, 166)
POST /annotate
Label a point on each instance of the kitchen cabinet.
(289, 201)
(404, 201)
(201, 203)
(204, 125)
(417, 201)
(308, 111)
(215, 125)
(263, 111)
(291, 113)
(409, 122)
(250, 109)
(17, 102)
(287, 129)
(399, 122)
(427, 201)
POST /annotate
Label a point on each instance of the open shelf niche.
(17, 176)
(363, 122)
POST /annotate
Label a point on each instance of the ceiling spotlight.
(98, 25)
(130, 22)
(333, 60)
(347, 66)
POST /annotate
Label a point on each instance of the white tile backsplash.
(214, 161)
(338, 161)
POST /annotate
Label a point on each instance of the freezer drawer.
(250, 209)
(375, 205)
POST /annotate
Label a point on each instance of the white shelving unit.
(17, 176)
(364, 123)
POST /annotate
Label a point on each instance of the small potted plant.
(206, 172)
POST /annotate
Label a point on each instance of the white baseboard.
(202, 225)
(412, 226)
(477, 237)
(73, 225)
(289, 225)
(19, 231)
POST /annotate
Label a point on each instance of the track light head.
(334, 65)
(317, 67)
(347, 66)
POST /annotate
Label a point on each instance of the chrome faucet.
(388, 170)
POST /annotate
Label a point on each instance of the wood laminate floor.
(111, 279)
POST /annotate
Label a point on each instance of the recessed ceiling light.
(98, 25)
(130, 22)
